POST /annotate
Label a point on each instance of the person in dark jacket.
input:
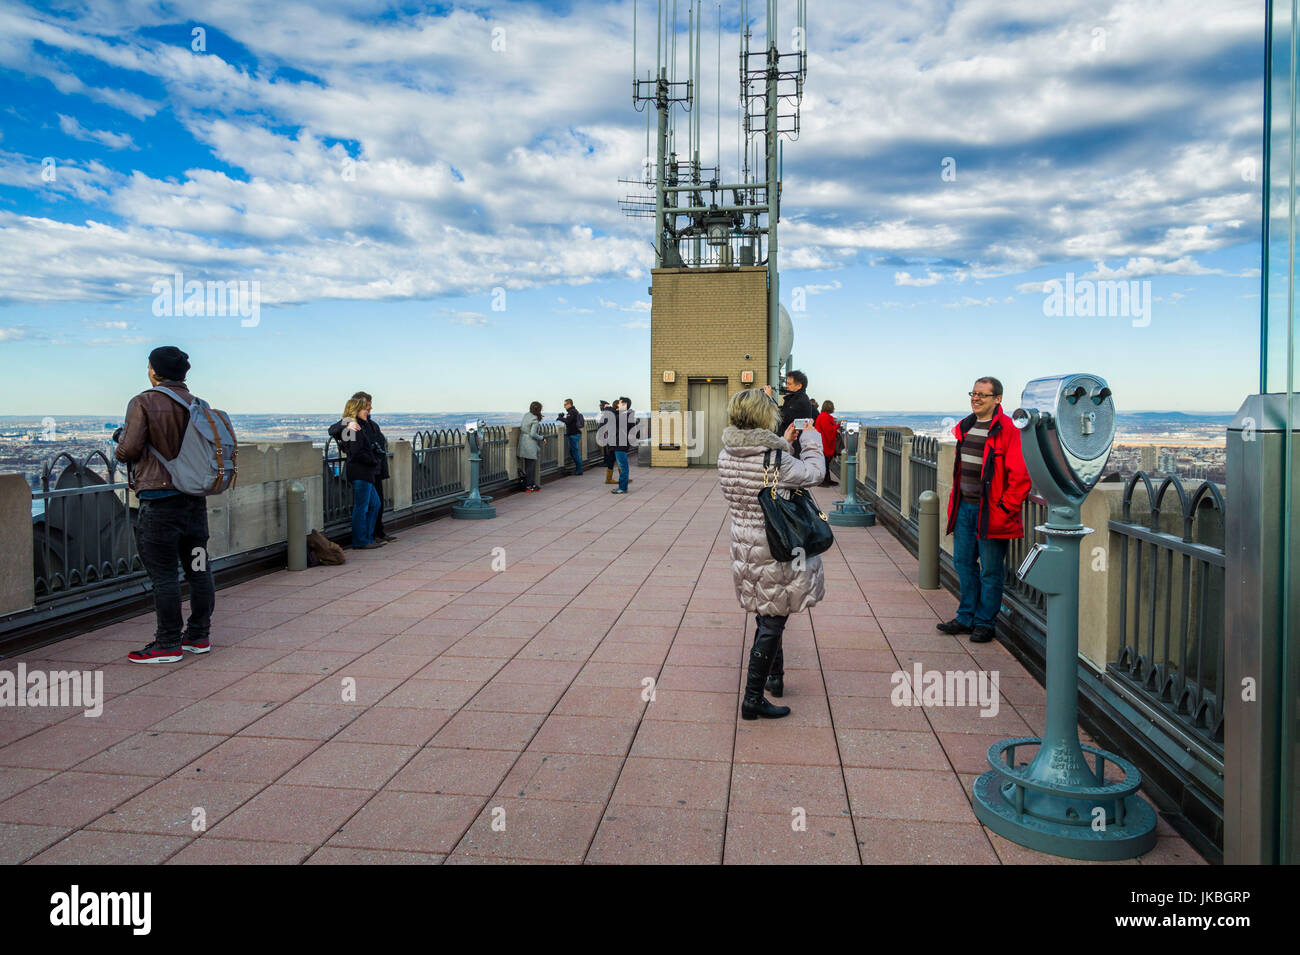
(606, 414)
(989, 485)
(378, 437)
(624, 440)
(796, 404)
(171, 527)
(359, 440)
(573, 425)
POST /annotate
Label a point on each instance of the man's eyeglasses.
(976, 394)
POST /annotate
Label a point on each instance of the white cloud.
(70, 127)
(905, 278)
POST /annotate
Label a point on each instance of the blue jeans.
(621, 457)
(365, 508)
(981, 569)
(575, 452)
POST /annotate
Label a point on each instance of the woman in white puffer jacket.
(769, 589)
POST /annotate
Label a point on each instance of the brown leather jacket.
(153, 419)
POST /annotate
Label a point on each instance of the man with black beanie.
(171, 527)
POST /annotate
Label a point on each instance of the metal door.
(706, 404)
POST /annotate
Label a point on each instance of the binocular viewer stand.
(1060, 803)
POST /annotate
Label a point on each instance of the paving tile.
(790, 839)
(673, 783)
(350, 765)
(891, 749)
(912, 842)
(670, 740)
(454, 771)
(249, 759)
(338, 855)
(205, 851)
(71, 799)
(566, 777)
(151, 753)
(183, 807)
(395, 725)
(298, 814)
(432, 694)
(541, 829)
(782, 789)
(414, 821)
(304, 721)
(267, 687)
(692, 706)
(19, 842)
(602, 701)
(907, 794)
(89, 847)
(584, 734)
(651, 835)
(768, 741)
(487, 730)
(61, 745)
(14, 781)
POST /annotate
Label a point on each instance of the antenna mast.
(695, 226)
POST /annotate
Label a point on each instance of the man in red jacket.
(989, 485)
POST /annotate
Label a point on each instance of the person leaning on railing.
(530, 438)
(989, 485)
(359, 439)
(766, 587)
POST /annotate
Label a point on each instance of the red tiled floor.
(389, 711)
(790, 839)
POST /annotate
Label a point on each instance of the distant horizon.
(245, 414)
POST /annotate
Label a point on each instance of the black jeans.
(171, 531)
(530, 472)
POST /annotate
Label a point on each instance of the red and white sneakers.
(156, 654)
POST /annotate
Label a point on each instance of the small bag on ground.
(324, 550)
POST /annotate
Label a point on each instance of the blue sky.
(379, 170)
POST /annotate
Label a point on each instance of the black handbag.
(795, 527)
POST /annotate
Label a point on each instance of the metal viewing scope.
(1070, 419)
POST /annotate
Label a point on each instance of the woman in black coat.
(363, 445)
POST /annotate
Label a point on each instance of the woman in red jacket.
(827, 427)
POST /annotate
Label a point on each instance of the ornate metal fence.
(1030, 600)
(335, 486)
(495, 469)
(891, 478)
(83, 539)
(924, 465)
(870, 445)
(550, 452)
(1172, 570)
(592, 451)
(436, 462)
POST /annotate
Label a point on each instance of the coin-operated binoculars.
(475, 507)
(1059, 803)
(851, 512)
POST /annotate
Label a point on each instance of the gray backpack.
(205, 464)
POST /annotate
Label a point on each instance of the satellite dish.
(786, 339)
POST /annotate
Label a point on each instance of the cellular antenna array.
(695, 224)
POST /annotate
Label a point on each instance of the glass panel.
(1278, 374)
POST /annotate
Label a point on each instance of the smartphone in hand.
(803, 424)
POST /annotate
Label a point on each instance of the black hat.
(169, 363)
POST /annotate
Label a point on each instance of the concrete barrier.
(17, 574)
